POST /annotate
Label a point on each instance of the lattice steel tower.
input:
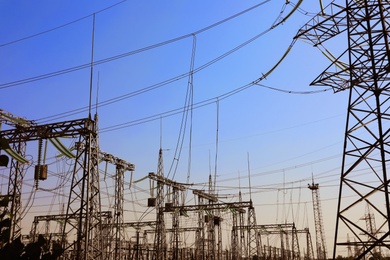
(160, 243)
(363, 70)
(318, 222)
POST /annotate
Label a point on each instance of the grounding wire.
(112, 58)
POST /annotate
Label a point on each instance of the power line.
(112, 58)
(59, 27)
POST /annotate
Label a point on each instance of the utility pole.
(363, 70)
(318, 222)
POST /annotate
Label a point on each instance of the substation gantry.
(287, 250)
(139, 249)
(17, 148)
(117, 229)
(112, 224)
(205, 242)
(363, 70)
(203, 249)
(172, 188)
(83, 218)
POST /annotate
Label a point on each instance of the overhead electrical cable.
(212, 100)
(188, 107)
(295, 92)
(112, 58)
(176, 78)
(60, 26)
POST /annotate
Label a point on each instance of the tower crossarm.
(137, 225)
(271, 228)
(168, 182)
(322, 27)
(62, 217)
(71, 128)
(319, 29)
(204, 195)
(118, 162)
(13, 120)
(221, 206)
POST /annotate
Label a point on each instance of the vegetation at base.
(16, 250)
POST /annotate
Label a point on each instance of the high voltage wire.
(61, 26)
(163, 83)
(168, 81)
(180, 110)
(203, 103)
(112, 58)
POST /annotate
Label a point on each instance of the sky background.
(286, 130)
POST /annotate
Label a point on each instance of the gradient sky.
(288, 136)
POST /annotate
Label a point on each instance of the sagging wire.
(188, 106)
(112, 58)
(295, 92)
(163, 83)
(58, 27)
(191, 86)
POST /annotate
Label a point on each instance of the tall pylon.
(160, 243)
(363, 70)
(253, 236)
(318, 222)
(84, 202)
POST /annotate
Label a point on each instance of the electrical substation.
(92, 221)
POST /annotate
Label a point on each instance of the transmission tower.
(84, 200)
(369, 219)
(160, 243)
(318, 222)
(363, 70)
(243, 248)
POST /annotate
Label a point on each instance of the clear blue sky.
(289, 136)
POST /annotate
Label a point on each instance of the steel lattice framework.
(117, 234)
(363, 69)
(17, 173)
(318, 223)
(160, 242)
(253, 236)
(84, 198)
(17, 170)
